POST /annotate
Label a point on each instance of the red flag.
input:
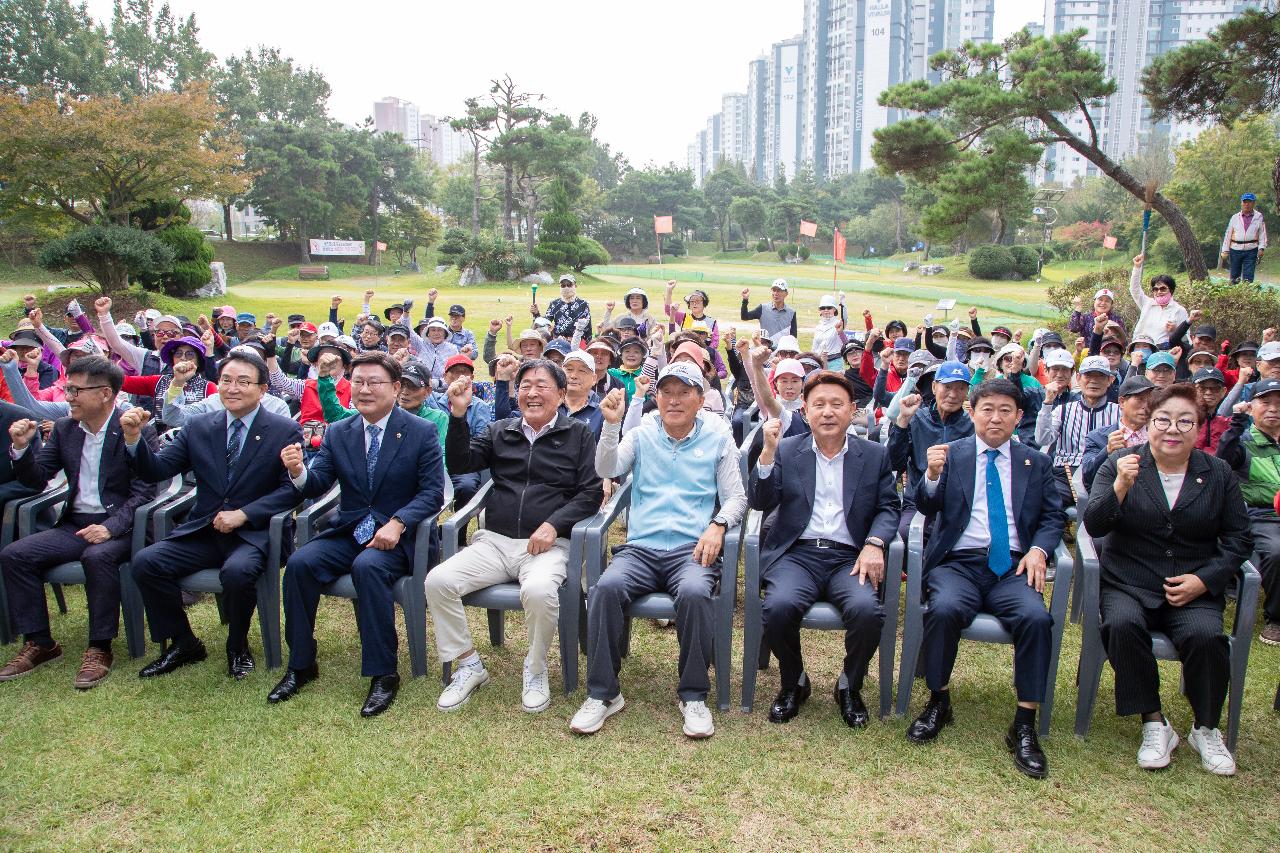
(838, 249)
(662, 225)
(1108, 242)
(808, 229)
(382, 247)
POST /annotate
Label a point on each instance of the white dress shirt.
(534, 434)
(88, 496)
(977, 534)
(299, 480)
(828, 519)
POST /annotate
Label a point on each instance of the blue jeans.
(1242, 263)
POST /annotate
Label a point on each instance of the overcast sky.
(651, 77)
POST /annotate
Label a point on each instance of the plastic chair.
(660, 605)
(1092, 653)
(985, 628)
(73, 572)
(506, 596)
(8, 534)
(280, 541)
(822, 616)
(409, 591)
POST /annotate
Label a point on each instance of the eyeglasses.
(236, 381)
(1164, 424)
(369, 383)
(74, 390)
(1159, 288)
(165, 333)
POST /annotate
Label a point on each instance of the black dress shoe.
(175, 656)
(787, 703)
(1027, 754)
(931, 721)
(852, 708)
(239, 664)
(292, 682)
(382, 692)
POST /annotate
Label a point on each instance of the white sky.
(651, 75)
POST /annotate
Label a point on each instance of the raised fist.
(1194, 315)
(614, 405)
(1127, 468)
(291, 458)
(505, 370)
(608, 306)
(368, 296)
(182, 371)
(1268, 335)
(771, 432)
(671, 284)
(132, 422)
(431, 296)
(1138, 259)
(1099, 324)
(508, 320)
(330, 364)
(937, 458)
(643, 381)
(21, 432)
(746, 293)
(29, 300)
(460, 391)
(1115, 441)
(973, 313)
(761, 354)
(335, 301)
(36, 317)
(907, 407)
(202, 322)
(102, 305)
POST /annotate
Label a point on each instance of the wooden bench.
(313, 273)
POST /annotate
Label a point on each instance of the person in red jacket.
(1211, 387)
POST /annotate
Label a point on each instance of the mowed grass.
(195, 761)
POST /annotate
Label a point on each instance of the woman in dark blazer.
(1177, 532)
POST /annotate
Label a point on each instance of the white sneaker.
(536, 696)
(593, 713)
(466, 679)
(1159, 740)
(697, 719)
(1214, 755)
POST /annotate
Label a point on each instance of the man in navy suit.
(389, 465)
(837, 512)
(94, 527)
(995, 506)
(240, 484)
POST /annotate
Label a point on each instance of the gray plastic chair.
(822, 616)
(985, 628)
(8, 534)
(1092, 653)
(659, 605)
(279, 543)
(498, 598)
(409, 591)
(73, 572)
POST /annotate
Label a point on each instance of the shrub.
(793, 250)
(762, 245)
(1026, 260)
(674, 245)
(804, 253)
(782, 253)
(455, 243)
(590, 252)
(108, 255)
(991, 262)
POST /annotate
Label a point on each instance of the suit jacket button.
(1168, 553)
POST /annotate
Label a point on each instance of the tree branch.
(1093, 131)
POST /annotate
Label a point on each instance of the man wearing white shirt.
(1245, 240)
(994, 507)
(1159, 311)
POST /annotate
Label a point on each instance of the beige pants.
(492, 558)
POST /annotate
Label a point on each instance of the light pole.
(1046, 214)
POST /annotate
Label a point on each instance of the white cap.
(582, 358)
(346, 341)
(1062, 358)
(437, 323)
(541, 323)
(1094, 364)
(787, 343)
(686, 373)
(328, 330)
(780, 283)
(152, 314)
(1105, 292)
(126, 330)
(828, 301)
(1269, 350)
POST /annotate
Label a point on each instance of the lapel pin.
(397, 435)
(1027, 462)
(1198, 480)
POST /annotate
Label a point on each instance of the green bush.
(674, 245)
(455, 243)
(991, 262)
(107, 255)
(793, 250)
(1048, 253)
(782, 253)
(1026, 260)
(804, 253)
(762, 245)
(1166, 252)
(590, 252)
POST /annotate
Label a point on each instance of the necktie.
(998, 558)
(364, 530)
(233, 445)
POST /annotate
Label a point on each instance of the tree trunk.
(926, 251)
(508, 203)
(1275, 182)
(897, 223)
(303, 246)
(226, 224)
(475, 190)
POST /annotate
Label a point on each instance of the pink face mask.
(1164, 299)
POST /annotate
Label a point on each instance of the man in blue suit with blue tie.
(995, 506)
(389, 465)
(240, 484)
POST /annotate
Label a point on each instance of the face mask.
(977, 361)
(792, 405)
(1164, 299)
(999, 341)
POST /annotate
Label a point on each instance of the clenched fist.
(937, 459)
(36, 317)
(132, 422)
(335, 301)
(746, 293)
(460, 391)
(614, 406)
(291, 459)
(505, 370)
(182, 371)
(21, 432)
(1115, 441)
(495, 326)
(907, 408)
(770, 432)
(1127, 468)
(229, 520)
(102, 305)
(431, 296)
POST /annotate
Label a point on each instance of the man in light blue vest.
(679, 469)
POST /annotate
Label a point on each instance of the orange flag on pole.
(837, 250)
(662, 225)
(808, 229)
(1109, 242)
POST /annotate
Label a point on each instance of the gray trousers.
(1266, 539)
(637, 571)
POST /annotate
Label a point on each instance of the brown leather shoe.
(27, 659)
(95, 666)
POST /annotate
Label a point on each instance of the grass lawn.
(196, 761)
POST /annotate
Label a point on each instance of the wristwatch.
(875, 540)
(723, 524)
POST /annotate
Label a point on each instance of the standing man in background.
(1245, 240)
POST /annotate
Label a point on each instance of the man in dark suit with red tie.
(240, 484)
(995, 507)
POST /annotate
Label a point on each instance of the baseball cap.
(85, 346)
(698, 352)
(568, 278)
(1060, 358)
(1205, 331)
(828, 301)
(308, 327)
(313, 354)
(415, 373)
(903, 344)
(398, 329)
(1050, 338)
(1111, 342)
(851, 346)
(981, 344)
(1105, 292)
(559, 345)
(297, 319)
(786, 343)
(457, 311)
(582, 358)
(328, 330)
(1011, 348)
(1269, 350)
(779, 284)
(346, 341)
(1002, 330)
(1141, 339)
(437, 323)
(1160, 359)
(952, 371)
(686, 373)
(246, 317)
(1203, 354)
(126, 330)
(921, 358)
(1135, 384)
(1206, 374)
(1095, 364)
(1245, 346)
(787, 367)
(1265, 386)
(1248, 197)
(634, 342)
(541, 323)
(154, 314)
(455, 360)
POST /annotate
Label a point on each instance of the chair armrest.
(460, 519)
(166, 493)
(275, 533)
(28, 509)
(597, 533)
(310, 519)
(751, 552)
(915, 559)
(1248, 584)
(162, 519)
(1064, 563)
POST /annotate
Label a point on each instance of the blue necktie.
(998, 557)
(233, 445)
(365, 529)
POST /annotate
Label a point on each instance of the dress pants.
(959, 588)
(1266, 540)
(158, 568)
(374, 573)
(805, 575)
(490, 559)
(636, 571)
(25, 561)
(1196, 633)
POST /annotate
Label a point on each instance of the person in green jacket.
(632, 354)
